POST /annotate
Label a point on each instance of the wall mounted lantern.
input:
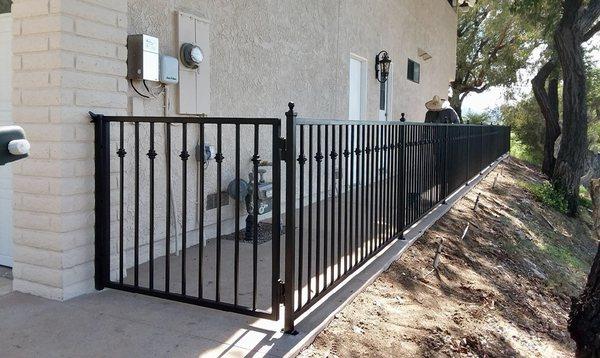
(382, 66)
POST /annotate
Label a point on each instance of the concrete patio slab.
(115, 323)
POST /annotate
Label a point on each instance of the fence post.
(445, 183)
(468, 154)
(402, 189)
(102, 200)
(290, 218)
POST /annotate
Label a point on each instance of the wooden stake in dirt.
(477, 201)
(438, 253)
(465, 232)
(495, 180)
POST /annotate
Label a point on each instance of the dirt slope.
(502, 291)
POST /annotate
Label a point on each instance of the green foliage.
(492, 46)
(478, 118)
(523, 152)
(546, 194)
(527, 125)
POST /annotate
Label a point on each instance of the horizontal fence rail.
(157, 233)
(358, 185)
(190, 208)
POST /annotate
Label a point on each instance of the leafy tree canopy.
(493, 45)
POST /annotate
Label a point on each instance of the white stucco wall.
(265, 54)
(69, 57)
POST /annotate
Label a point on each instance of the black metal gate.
(352, 187)
(147, 239)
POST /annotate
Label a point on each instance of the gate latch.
(281, 291)
(283, 152)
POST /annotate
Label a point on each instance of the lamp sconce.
(382, 66)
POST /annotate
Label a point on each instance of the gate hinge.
(283, 152)
(281, 291)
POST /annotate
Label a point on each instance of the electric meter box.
(143, 59)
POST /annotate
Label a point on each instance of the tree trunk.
(571, 156)
(456, 102)
(547, 100)
(584, 321)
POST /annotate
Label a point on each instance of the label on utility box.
(150, 44)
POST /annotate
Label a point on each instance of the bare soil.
(502, 291)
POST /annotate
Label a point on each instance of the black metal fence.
(360, 184)
(351, 187)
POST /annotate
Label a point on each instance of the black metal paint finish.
(390, 174)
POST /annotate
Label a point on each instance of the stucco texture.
(267, 53)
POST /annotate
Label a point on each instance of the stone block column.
(69, 57)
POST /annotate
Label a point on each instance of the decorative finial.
(291, 106)
(402, 119)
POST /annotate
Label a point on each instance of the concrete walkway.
(120, 324)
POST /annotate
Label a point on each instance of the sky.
(495, 96)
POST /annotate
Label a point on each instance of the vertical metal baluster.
(339, 212)
(333, 156)
(430, 165)
(384, 182)
(368, 222)
(396, 180)
(201, 214)
(318, 158)
(301, 161)
(236, 268)
(413, 175)
(136, 220)
(184, 157)
(151, 155)
(346, 174)
(168, 208)
(381, 182)
(350, 235)
(468, 135)
(356, 200)
(219, 159)
(310, 214)
(379, 185)
(372, 191)
(368, 188)
(121, 153)
(362, 195)
(378, 193)
(375, 177)
(388, 171)
(325, 207)
(255, 160)
(402, 180)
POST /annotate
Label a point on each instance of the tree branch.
(591, 32)
(587, 17)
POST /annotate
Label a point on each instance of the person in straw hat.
(439, 111)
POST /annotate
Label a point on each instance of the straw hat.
(436, 104)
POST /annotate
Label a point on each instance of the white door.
(357, 97)
(357, 89)
(6, 224)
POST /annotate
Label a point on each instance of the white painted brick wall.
(68, 58)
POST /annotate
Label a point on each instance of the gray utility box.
(13, 145)
(143, 58)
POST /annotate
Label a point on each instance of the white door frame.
(6, 224)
